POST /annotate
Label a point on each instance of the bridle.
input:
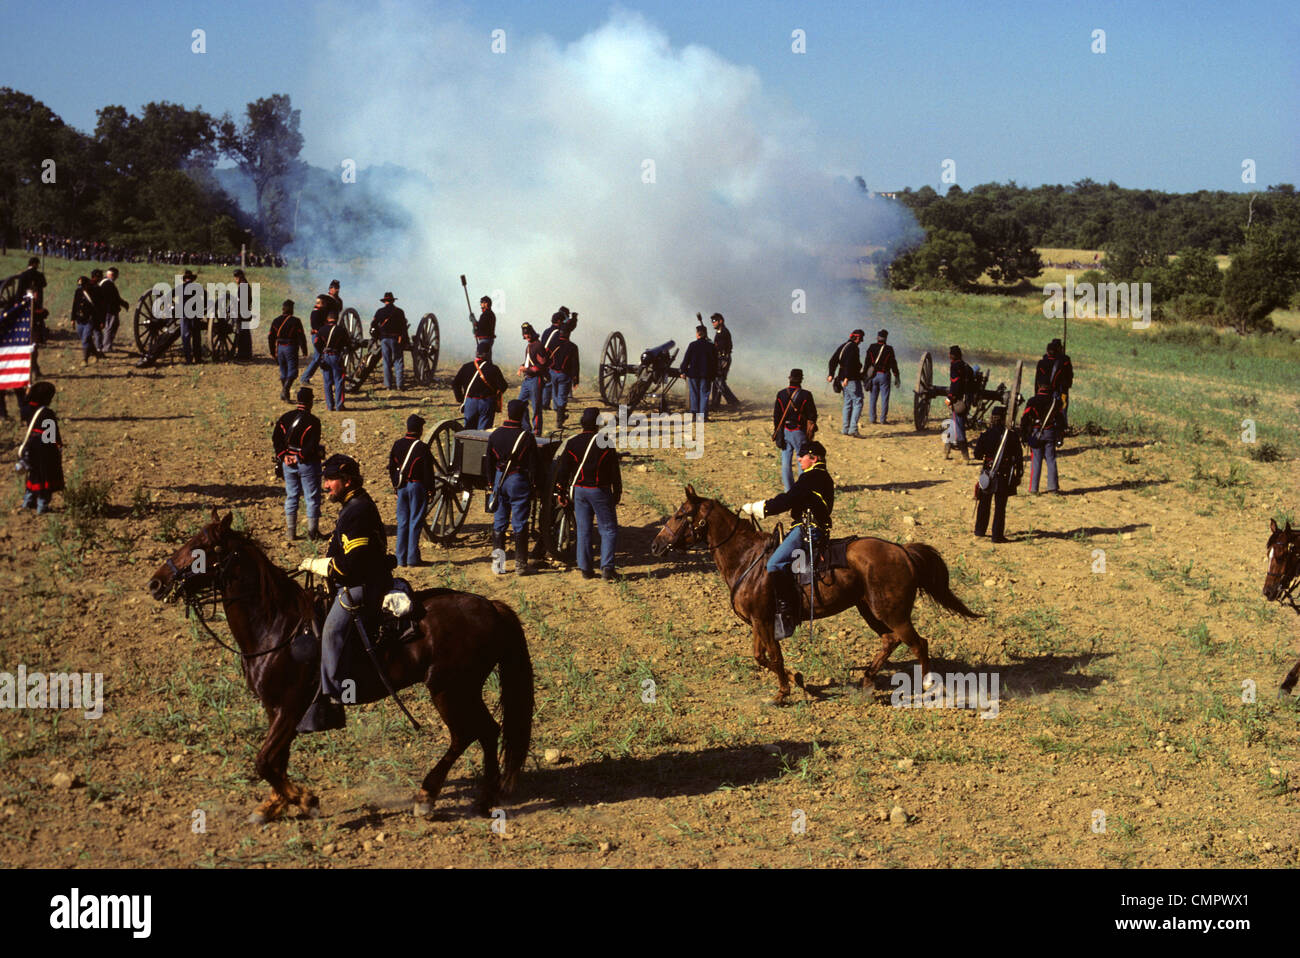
(697, 531)
(1289, 574)
(211, 591)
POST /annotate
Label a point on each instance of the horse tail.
(932, 578)
(516, 668)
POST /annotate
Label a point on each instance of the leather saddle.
(832, 555)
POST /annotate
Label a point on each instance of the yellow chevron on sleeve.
(350, 544)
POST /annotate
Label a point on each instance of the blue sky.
(1008, 91)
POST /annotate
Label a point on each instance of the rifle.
(985, 479)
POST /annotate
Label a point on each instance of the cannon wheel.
(424, 350)
(221, 338)
(613, 368)
(1014, 403)
(350, 320)
(450, 498)
(556, 521)
(148, 327)
(921, 398)
(9, 292)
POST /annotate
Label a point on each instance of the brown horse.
(882, 581)
(460, 639)
(1281, 580)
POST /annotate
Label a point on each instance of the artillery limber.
(654, 375)
(462, 466)
(979, 402)
(364, 356)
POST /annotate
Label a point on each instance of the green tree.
(266, 148)
(1261, 278)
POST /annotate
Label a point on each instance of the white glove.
(754, 509)
(320, 567)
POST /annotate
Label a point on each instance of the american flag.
(16, 346)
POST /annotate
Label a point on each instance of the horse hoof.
(257, 818)
(422, 809)
(312, 811)
(798, 680)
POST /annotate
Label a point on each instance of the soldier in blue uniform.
(812, 498)
(1040, 427)
(961, 385)
(296, 441)
(359, 573)
(389, 326)
(845, 371)
(794, 422)
(284, 340)
(589, 472)
(485, 326)
(563, 374)
(1056, 372)
(999, 447)
(332, 343)
(513, 453)
(722, 343)
(535, 370)
(881, 362)
(410, 468)
(478, 387)
(700, 367)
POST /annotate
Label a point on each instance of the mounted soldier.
(810, 503)
(357, 568)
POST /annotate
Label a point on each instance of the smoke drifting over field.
(632, 181)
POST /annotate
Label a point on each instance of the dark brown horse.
(882, 581)
(461, 638)
(1281, 580)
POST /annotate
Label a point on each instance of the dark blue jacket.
(700, 361)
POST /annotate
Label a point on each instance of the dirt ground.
(1124, 623)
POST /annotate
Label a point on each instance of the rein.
(701, 531)
(214, 592)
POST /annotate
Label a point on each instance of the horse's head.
(687, 526)
(1283, 560)
(193, 562)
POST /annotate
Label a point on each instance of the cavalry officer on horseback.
(810, 500)
(357, 569)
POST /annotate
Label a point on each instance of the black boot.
(521, 554)
(787, 604)
(560, 416)
(284, 390)
(323, 715)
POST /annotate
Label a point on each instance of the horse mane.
(277, 589)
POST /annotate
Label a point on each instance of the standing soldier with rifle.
(283, 341)
(1040, 426)
(722, 343)
(881, 361)
(358, 571)
(513, 452)
(478, 387)
(1056, 373)
(389, 325)
(999, 447)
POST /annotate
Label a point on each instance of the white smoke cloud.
(534, 163)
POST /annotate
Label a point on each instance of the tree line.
(148, 180)
(1167, 239)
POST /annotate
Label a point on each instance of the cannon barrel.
(658, 353)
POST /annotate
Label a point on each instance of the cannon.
(981, 401)
(462, 466)
(364, 356)
(157, 329)
(655, 373)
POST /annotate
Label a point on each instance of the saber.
(812, 570)
(370, 649)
